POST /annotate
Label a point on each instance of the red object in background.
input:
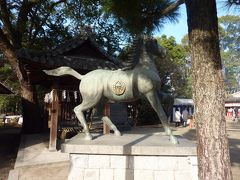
(230, 112)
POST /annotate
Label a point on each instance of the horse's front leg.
(108, 121)
(79, 113)
(156, 104)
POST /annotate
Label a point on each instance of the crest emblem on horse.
(119, 88)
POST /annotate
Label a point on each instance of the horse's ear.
(155, 40)
(145, 37)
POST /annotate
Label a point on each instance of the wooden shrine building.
(82, 54)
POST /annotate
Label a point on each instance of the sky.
(178, 30)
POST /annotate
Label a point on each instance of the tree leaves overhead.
(233, 3)
(229, 33)
(89, 13)
(139, 16)
(33, 23)
(173, 68)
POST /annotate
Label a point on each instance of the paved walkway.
(34, 161)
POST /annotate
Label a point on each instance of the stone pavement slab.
(35, 162)
(33, 150)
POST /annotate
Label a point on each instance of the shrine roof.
(79, 53)
(232, 99)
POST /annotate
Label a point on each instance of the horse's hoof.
(167, 131)
(117, 133)
(174, 140)
(88, 137)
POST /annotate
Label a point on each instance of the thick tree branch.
(22, 17)
(56, 3)
(5, 17)
(234, 2)
(9, 53)
(172, 7)
(4, 40)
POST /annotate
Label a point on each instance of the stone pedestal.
(131, 157)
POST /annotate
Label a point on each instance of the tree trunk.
(31, 112)
(208, 91)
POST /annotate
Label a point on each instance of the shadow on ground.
(9, 142)
(235, 151)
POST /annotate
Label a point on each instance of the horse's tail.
(64, 70)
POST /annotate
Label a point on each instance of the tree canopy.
(108, 31)
(174, 70)
(142, 16)
(232, 3)
(229, 33)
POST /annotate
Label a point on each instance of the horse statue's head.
(152, 47)
(140, 45)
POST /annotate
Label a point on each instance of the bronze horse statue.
(122, 85)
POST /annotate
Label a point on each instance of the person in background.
(235, 114)
(177, 118)
(185, 117)
(230, 112)
(239, 113)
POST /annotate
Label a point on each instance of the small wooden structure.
(81, 53)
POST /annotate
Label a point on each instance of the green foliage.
(46, 26)
(10, 104)
(229, 32)
(173, 69)
(229, 35)
(108, 31)
(8, 78)
(176, 51)
(138, 16)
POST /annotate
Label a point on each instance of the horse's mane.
(134, 53)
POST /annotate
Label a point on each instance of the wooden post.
(106, 129)
(54, 121)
